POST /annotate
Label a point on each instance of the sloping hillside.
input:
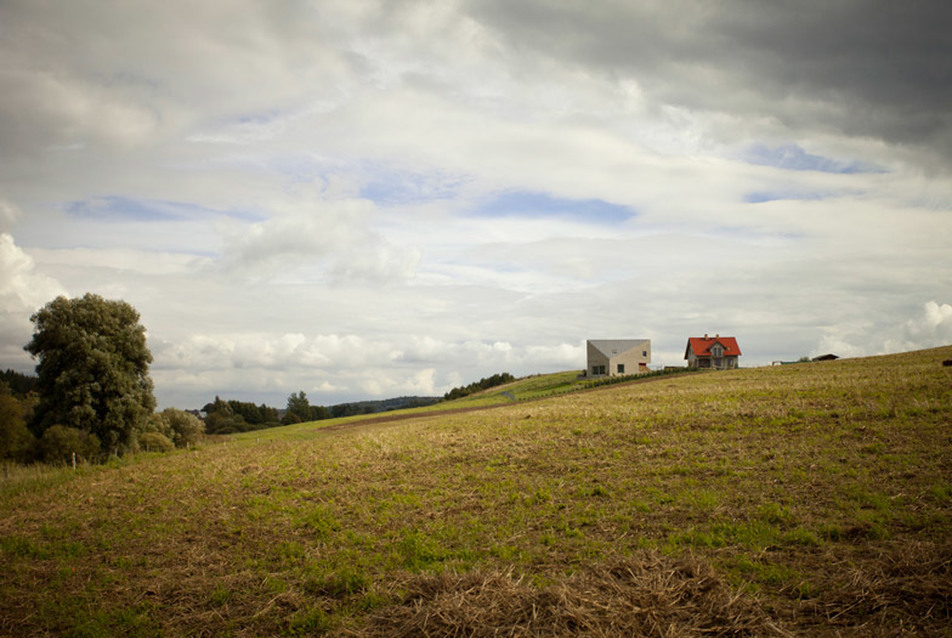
(812, 499)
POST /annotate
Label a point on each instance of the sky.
(367, 199)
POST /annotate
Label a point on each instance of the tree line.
(477, 386)
(231, 416)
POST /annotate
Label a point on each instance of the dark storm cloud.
(866, 68)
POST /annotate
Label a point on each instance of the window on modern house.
(644, 353)
(598, 369)
(621, 368)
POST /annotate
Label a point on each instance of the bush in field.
(185, 429)
(16, 440)
(155, 442)
(158, 424)
(59, 443)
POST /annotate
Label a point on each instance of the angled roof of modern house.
(701, 346)
(612, 347)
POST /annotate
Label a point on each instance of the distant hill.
(383, 405)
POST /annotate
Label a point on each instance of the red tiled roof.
(701, 346)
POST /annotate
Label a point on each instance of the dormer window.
(717, 350)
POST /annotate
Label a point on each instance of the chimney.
(705, 335)
(717, 336)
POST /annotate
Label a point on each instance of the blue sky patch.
(118, 208)
(530, 204)
(793, 158)
(759, 197)
(389, 188)
(261, 117)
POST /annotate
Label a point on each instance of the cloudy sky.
(367, 199)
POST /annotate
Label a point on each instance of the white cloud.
(8, 216)
(841, 347)
(330, 236)
(294, 195)
(23, 291)
(21, 287)
(328, 365)
(268, 351)
(380, 383)
(931, 328)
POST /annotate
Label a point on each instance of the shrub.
(185, 428)
(59, 443)
(155, 442)
(159, 424)
(16, 440)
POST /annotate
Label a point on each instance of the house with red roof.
(717, 352)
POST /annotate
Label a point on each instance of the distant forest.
(19, 384)
(477, 386)
(230, 416)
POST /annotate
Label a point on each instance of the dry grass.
(644, 595)
(813, 499)
(901, 589)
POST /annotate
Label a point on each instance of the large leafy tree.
(93, 369)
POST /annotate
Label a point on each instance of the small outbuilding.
(614, 357)
(716, 353)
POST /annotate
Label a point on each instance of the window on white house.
(621, 368)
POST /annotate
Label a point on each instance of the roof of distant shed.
(701, 346)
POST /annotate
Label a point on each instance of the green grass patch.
(793, 483)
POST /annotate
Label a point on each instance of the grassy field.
(544, 386)
(812, 499)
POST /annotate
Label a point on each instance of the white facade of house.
(717, 352)
(614, 357)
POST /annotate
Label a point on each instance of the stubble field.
(813, 499)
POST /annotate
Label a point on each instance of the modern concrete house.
(717, 352)
(613, 357)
